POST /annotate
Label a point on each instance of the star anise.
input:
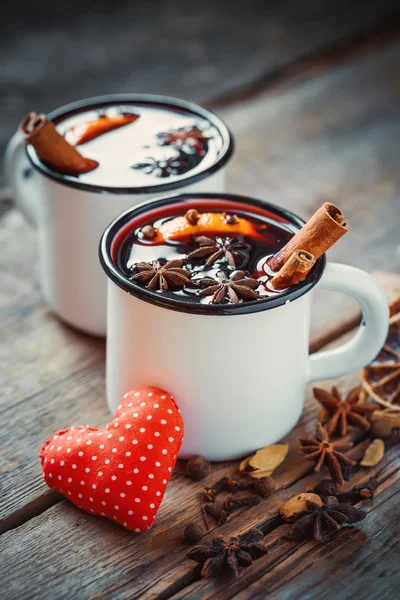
(344, 412)
(161, 275)
(213, 249)
(319, 521)
(178, 164)
(218, 557)
(234, 288)
(329, 453)
(190, 138)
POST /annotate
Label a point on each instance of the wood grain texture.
(123, 565)
(199, 51)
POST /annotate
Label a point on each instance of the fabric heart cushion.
(120, 472)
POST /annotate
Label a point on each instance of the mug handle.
(18, 173)
(370, 337)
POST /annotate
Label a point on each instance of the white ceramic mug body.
(69, 222)
(239, 379)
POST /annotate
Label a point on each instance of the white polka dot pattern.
(136, 454)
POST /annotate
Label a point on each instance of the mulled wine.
(141, 144)
(203, 251)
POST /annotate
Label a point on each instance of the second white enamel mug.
(70, 216)
(237, 372)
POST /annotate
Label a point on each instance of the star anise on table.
(160, 275)
(319, 521)
(329, 453)
(219, 557)
(213, 249)
(234, 288)
(343, 413)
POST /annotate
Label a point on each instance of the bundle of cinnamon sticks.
(295, 260)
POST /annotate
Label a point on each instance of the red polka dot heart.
(122, 471)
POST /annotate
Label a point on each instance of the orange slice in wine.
(208, 224)
(89, 131)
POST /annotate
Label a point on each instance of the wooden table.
(316, 115)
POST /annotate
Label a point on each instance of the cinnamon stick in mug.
(324, 228)
(52, 147)
(294, 270)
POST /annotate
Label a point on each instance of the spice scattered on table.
(298, 504)
(319, 521)
(193, 533)
(364, 491)
(327, 453)
(326, 487)
(373, 454)
(197, 468)
(264, 462)
(219, 557)
(262, 487)
(343, 413)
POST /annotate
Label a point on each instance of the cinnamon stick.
(294, 270)
(52, 147)
(324, 228)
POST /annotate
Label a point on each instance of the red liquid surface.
(268, 234)
(141, 144)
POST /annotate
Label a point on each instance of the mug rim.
(153, 297)
(228, 143)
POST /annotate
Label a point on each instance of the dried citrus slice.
(381, 379)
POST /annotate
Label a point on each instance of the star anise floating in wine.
(160, 275)
(219, 557)
(189, 138)
(319, 521)
(230, 248)
(178, 164)
(328, 453)
(235, 288)
(343, 413)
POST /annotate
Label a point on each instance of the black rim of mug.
(160, 300)
(162, 101)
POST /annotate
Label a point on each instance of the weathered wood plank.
(195, 51)
(151, 565)
(314, 570)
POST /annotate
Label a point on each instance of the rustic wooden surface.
(312, 94)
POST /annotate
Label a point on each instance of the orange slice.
(208, 223)
(93, 129)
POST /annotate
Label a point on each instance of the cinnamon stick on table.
(324, 228)
(294, 270)
(52, 147)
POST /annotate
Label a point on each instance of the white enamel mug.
(71, 216)
(237, 372)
